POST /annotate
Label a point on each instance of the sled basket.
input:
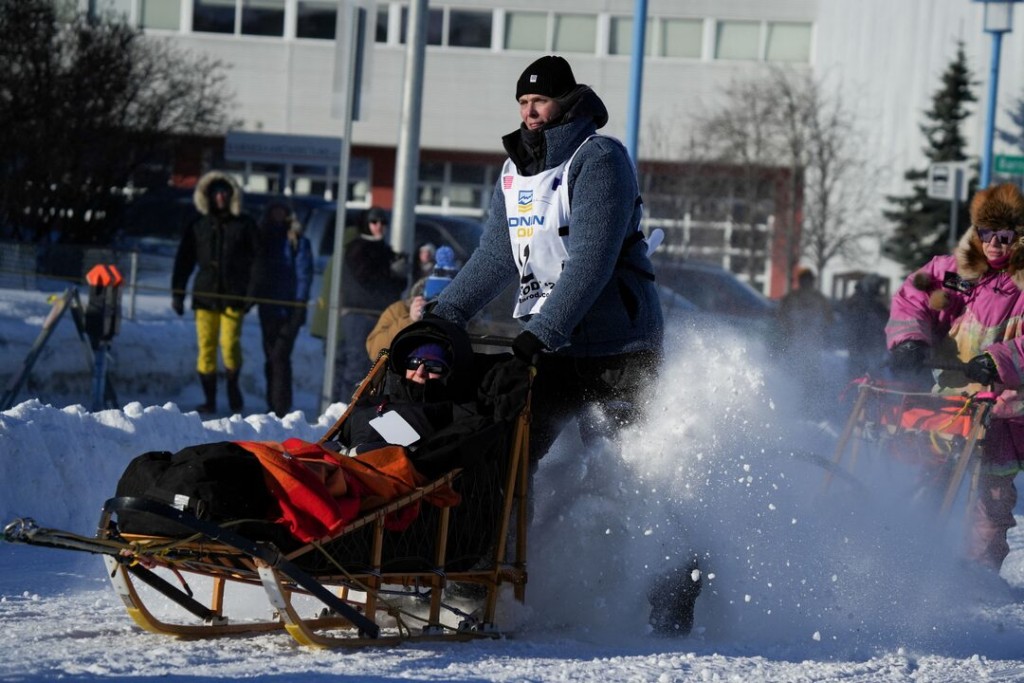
(435, 576)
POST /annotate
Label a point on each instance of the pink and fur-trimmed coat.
(958, 324)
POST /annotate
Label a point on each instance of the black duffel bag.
(217, 482)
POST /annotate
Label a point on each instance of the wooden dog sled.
(362, 585)
(940, 434)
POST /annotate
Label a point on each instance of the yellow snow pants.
(219, 328)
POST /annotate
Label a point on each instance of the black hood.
(583, 103)
(459, 385)
(582, 109)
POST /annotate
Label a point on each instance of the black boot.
(209, 384)
(672, 599)
(235, 401)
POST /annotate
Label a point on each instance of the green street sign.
(1009, 165)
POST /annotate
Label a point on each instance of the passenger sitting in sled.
(433, 400)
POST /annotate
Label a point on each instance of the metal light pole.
(636, 77)
(998, 19)
(407, 158)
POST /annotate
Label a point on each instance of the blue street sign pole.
(990, 111)
(998, 19)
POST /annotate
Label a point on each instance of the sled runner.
(941, 435)
(378, 564)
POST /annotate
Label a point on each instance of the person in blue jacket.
(564, 224)
(285, 275)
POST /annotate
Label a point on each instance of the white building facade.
(886, 57)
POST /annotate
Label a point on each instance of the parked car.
(152, 222)
(718, 292)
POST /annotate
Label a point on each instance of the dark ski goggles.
(1001, 236)
(434, 367)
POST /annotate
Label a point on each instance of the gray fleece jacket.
(605, 302)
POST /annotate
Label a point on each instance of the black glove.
(299, 315)
(908, 357)
(504, 388)
(527, 347)
(982, 369)
(178, 304)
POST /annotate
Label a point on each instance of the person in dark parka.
(284, 277)
(222, 244)
(372, 278)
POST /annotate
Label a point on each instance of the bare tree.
(742, 135)
(788, 121)
(821, 140)
(85, 104)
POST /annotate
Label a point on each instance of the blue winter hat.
(434, 352)
(444, 259)
(445, 268)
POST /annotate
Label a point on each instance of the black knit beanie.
(549, 76)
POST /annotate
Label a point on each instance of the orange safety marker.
(103, 275)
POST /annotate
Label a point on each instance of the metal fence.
(59, 266)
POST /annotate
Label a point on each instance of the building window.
(575, 33)
(469, 29)
(431, 185)
(738, 40)
(468, 186)
(453, 28)
(381, 35)
(119, 9)
(316, 19)
(160, 14)
(543, 31)
(263, 17)
(213, 16)
(454, 185)
(620, 37)
(66, 10)
(526, 31)
(681, 38)
(788, 42)
(435, 25)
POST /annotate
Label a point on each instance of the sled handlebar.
(929, 364)
(944, 365)
(506, 342)
(490, 340)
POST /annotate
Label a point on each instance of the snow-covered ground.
(848, 585)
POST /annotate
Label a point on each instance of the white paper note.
(394, 429)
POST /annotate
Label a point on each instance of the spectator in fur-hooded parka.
(220, 247)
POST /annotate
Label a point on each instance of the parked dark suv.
(718, 292)
(460, 233)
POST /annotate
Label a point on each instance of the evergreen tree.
(1014, 136)
(921, 223)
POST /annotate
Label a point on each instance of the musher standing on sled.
(968, 307)
(564, 222)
